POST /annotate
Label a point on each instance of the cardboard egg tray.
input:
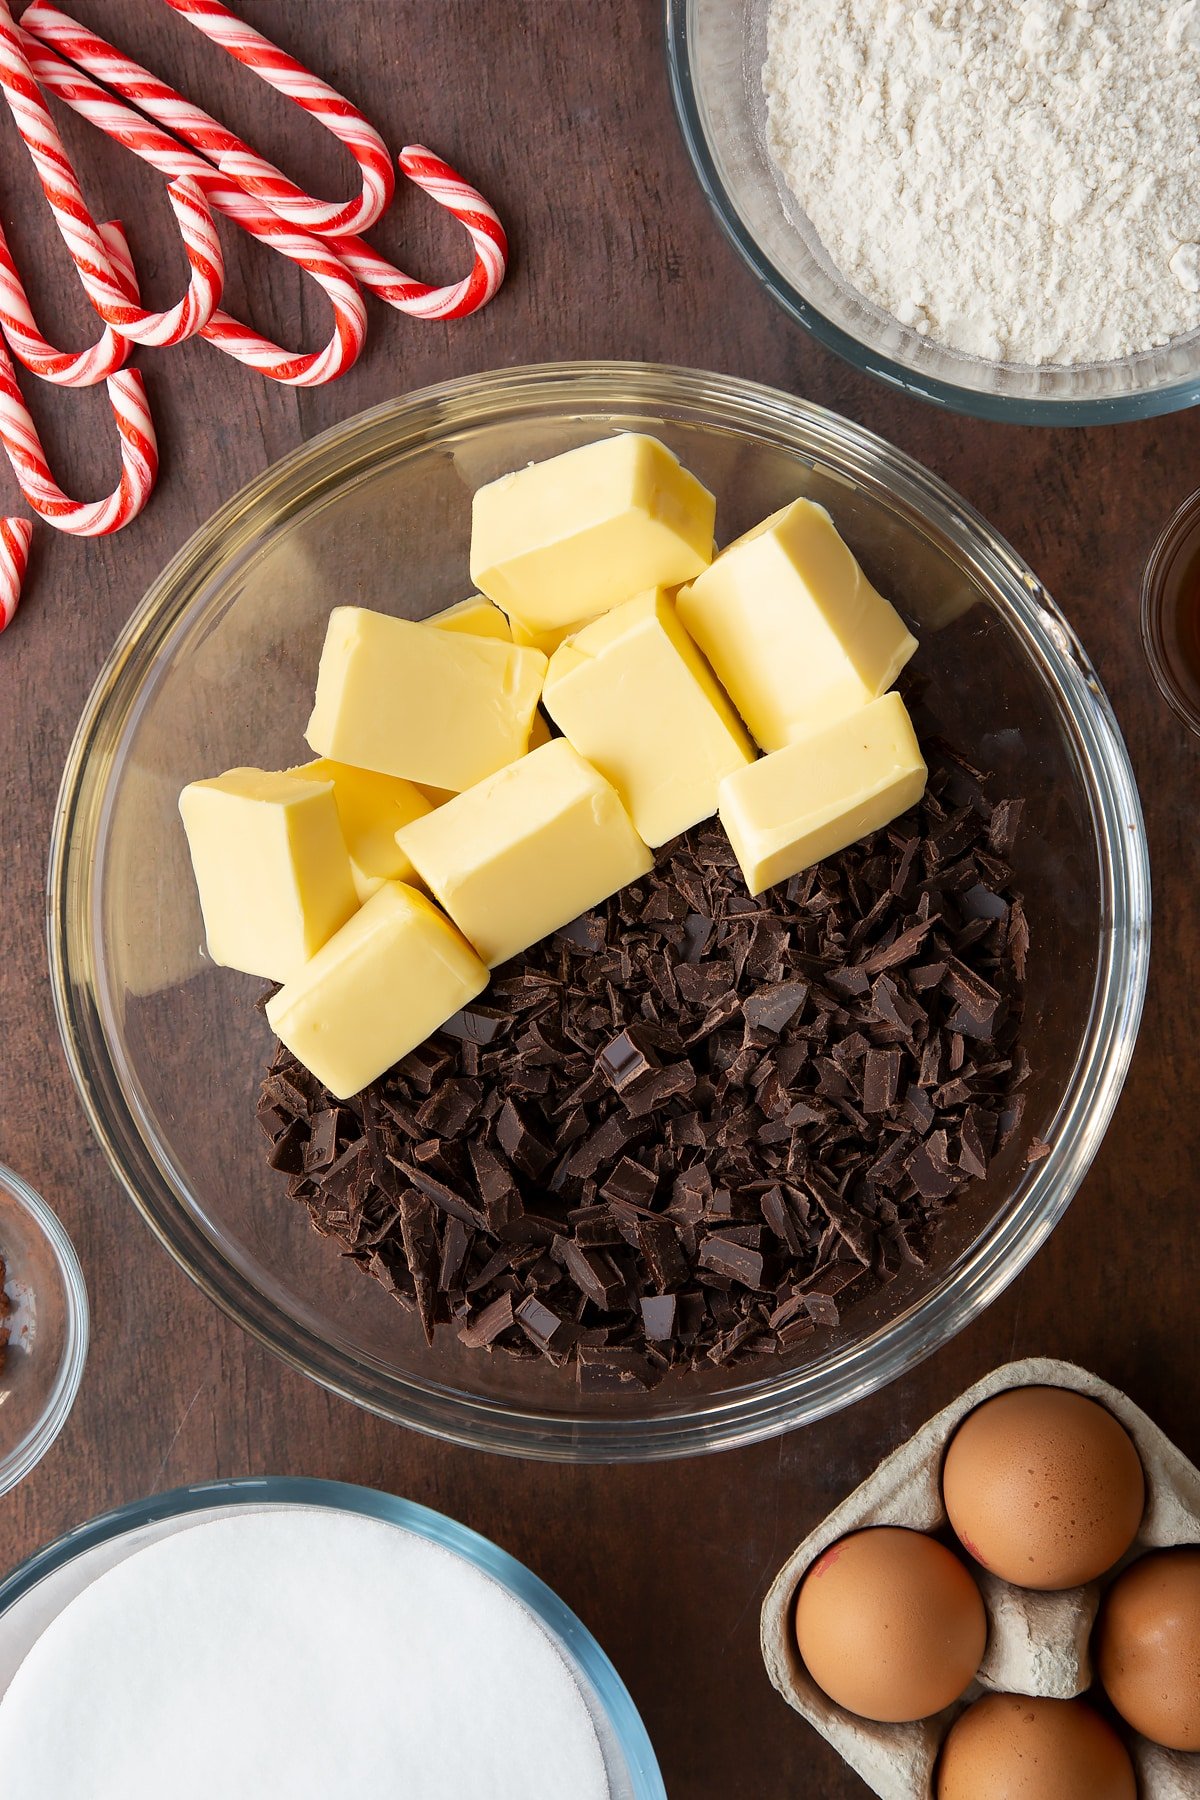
(1037, 1642)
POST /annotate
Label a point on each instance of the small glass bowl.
(48, 1328)
(36, 1592)
(715, 51)
(1174, 557)
(216, 669)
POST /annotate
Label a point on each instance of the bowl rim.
(1012, 410)
(1180, 534)
(722, 1420)
(25, 1455)
(561, 1624)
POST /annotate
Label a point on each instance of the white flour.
(1018, 179)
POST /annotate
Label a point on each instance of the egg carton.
(1038, 1643)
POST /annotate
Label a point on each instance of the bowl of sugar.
(309, 1638)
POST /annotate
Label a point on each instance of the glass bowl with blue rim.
(34, 1594)
(216, 669)
(715, 53)
(46, 1325)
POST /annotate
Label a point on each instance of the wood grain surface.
(560, 112)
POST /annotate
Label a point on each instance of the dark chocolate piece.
(483, 1330)
(625, 1057)
(722, 1253)
(543, 1327)
(771, 1008)
(658, 1316)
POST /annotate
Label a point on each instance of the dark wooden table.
(561, 113)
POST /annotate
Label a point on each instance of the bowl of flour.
(992, 203)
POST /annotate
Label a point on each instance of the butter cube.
(793, 628)
(635, 696)
(437, 707)
(526, 851)
(372, 808)
(271, 868)
(477, 617)
(570, 537)
(823, 791)
(391, 976)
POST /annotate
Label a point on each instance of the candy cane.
(290, 78)
(16, 535)
(121, 258)
(79, 230)
(472, 211)
(65, 368)
(198, 128)
(171, 158)
(139, 457)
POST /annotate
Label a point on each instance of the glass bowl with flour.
(996, 206)
(285, 1639)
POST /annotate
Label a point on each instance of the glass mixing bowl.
(716, 50)
(34, 1594)
(216, 668)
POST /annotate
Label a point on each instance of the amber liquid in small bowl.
(1171, 612)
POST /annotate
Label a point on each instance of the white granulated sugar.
(296, 1654)
(1017, 179)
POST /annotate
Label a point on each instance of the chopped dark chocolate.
(722, 1253)
(687, 1128)
(771, 1008)
(485, 1327)
(625, 1057)
(543, 1327)
(658, 1317)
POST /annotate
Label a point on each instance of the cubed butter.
(476, 617)
(809, 800)
(441, 708)
(634, 695)
(372, 808)
(271, 868)
(391, 976)
(573, 536)
(526, 851)
(791, 625)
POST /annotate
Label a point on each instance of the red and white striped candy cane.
(290, 78)
(148, 141)
(82, 235)
(198, 128)
(139, 457)
(472, 211)
(65, 368)
(16, 535)
(121, 257)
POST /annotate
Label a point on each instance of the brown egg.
(890, 1624)
(1043, 1487)
(1009, 1747)
(1148, 1647)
